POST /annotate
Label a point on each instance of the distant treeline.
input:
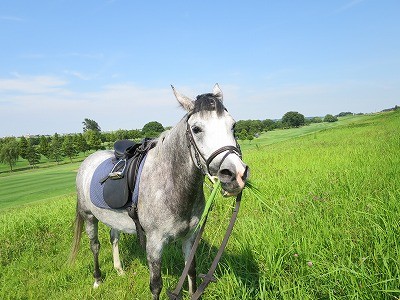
(57, 146)
(250, 129)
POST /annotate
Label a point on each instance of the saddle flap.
(116, 192)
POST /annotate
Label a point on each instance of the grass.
(23, 164)
(328, 227)
(20, 188)
(281, 135)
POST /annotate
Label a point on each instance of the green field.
(23, 164)
(20, 188)
(328, 227)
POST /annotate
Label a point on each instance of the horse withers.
(171, 198)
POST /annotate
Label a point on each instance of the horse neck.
(175, 148)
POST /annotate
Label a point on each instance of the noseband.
(197, 153)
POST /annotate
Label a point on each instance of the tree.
(69, 148)
(32, 154)
(89, 124)
(23, 146)
(93, 138)
(121, 134)
(242, 135)
(316, 120)
(55, 148)
(44, 146)
(152, 129)
(80, 143)
(268, 125)
(344, 113)
(248, 129)
(136, 134)
(330, 118)
(293, 119)
(9, 153)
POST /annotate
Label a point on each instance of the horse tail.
(78, 228)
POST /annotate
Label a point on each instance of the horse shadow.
(241, 265)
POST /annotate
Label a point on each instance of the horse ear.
(184, 101)
(217, 92)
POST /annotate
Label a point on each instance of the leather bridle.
(207, 161)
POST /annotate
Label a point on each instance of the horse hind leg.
(114, 238)
(92, 232)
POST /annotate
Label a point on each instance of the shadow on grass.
(242, 266)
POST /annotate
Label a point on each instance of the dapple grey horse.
(171, 198)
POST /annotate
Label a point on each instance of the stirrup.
(118, 174)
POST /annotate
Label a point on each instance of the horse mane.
(208, 102)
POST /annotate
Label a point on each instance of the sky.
(113, 61)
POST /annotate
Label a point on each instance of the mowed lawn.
(327, 228)
(22, 187)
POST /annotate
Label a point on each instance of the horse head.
(210, 133)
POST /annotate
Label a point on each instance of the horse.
(171, 198)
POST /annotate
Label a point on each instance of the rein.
(209, 277)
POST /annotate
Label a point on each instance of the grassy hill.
(328, 227)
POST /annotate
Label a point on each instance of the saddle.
(120, 186)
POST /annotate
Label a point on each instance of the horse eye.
(196, 129)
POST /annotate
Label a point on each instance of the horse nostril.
(246, 174)
(226, 175)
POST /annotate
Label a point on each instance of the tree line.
(57, 147)
(250, 129)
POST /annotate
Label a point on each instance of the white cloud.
(80, 75)
(350, 5)
(83, 55)
(12, 18)
(45, 104)
(31, 84)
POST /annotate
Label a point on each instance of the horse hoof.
(120, 272)
(96, 284)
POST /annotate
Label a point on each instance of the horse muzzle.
(233, 175)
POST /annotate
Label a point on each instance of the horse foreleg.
(154, 249)
(114, 238)
(186, 248)
(92, 232)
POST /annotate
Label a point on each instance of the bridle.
(207, 161)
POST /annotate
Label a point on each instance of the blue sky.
(114, 61)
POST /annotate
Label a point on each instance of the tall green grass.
(328, 229)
